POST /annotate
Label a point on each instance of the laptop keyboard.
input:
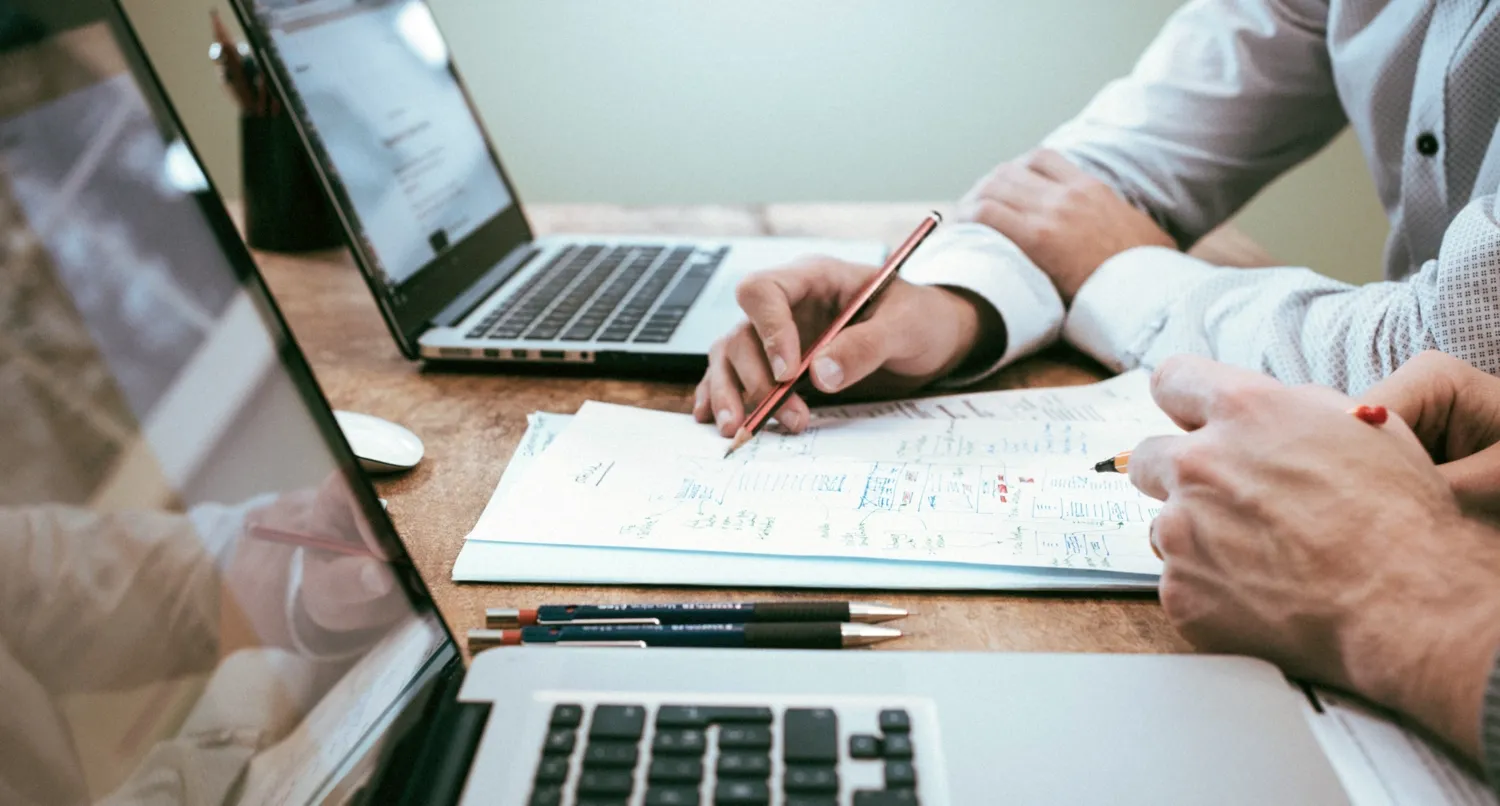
(602, 293)
(716, 754)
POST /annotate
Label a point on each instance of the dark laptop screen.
(379, 95)
(200, 601)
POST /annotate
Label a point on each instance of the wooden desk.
(471, 423)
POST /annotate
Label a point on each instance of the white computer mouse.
(380, 445)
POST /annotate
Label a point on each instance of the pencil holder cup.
(285, 209)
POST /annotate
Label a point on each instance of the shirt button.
(1427, 144)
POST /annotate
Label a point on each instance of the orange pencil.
(867, 297)
(1120, 463)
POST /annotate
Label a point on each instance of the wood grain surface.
(472, 421)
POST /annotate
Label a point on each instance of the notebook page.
(1018, 492)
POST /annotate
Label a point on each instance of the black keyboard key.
(897, 745)
(613, 335)
(605, 782)
(701, 716)
(863, 745)
(895, 720)
(900, 775)
(566, 716)
(745, 737)
(741, 792)
(811, 800)
(618, 722)
(677, 742)
(559, 742)
(744, 765)
(546, 796)
(672, 796)
(877, 797)
(599, 800)
(807, 778)
(810, 736)
(675, 770)
(611, 754)
(552, 770)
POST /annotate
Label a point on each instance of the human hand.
(1295, 532)
(1063, 218)
(339, 592)
(1454, 409)
(915, 334)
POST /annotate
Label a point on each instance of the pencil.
(271, 534)
(1374, 415)
(866, 299)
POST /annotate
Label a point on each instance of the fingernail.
(699, 398)
(724, 416)
(830, 374)
(790, 419)
(778, 368)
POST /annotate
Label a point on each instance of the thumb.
(852, 356)
(1475, 480)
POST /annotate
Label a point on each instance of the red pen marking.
(1374, 415)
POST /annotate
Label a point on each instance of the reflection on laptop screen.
(376, 86)
(194, 604)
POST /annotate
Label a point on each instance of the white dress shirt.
(1230, 95)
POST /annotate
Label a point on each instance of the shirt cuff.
(982, 261)
(1124, 303)
(1489, 728)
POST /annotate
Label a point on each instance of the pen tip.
(866, 634)
(1106, 466)
(868, 613)
(937, 216)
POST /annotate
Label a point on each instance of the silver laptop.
(207, 604)
(436, 226)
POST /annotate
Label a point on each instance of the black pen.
(722, 636)
(692, 613)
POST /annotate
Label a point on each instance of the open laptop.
(436, 226)
(206, 604)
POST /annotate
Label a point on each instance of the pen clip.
(627, 644)
(582, 622)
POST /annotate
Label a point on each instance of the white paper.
(1383, 763)
(991, 490)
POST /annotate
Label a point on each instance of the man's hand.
(1064, 219)
(916, 333)
(1455, 410)
(1300, 534)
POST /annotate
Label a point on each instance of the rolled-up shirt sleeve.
(1149, 303)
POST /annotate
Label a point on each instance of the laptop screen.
(201, 601)
(372, 85)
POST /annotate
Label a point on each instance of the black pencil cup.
(285, 207)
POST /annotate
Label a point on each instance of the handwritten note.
(1013, 486)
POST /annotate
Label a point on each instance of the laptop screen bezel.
(409, 309)
(293, 362)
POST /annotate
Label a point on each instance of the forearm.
(1147, 304)
(1229, 95)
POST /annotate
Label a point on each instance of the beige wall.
(684, 101)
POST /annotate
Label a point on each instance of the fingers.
(1190, 389)
(1056, 167)
(1422, 392)
(852, 356)
(1475, 481)
(1152, 466)
(769, 300)
(350, 593)
(725, 394)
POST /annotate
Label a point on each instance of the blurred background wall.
(696, 101)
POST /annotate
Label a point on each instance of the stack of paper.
(993, 490)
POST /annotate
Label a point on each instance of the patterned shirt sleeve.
(1147, 304)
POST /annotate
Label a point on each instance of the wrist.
(980, 332)
(1428, 647)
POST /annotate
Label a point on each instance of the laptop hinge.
(433, 763)
(475, 295)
